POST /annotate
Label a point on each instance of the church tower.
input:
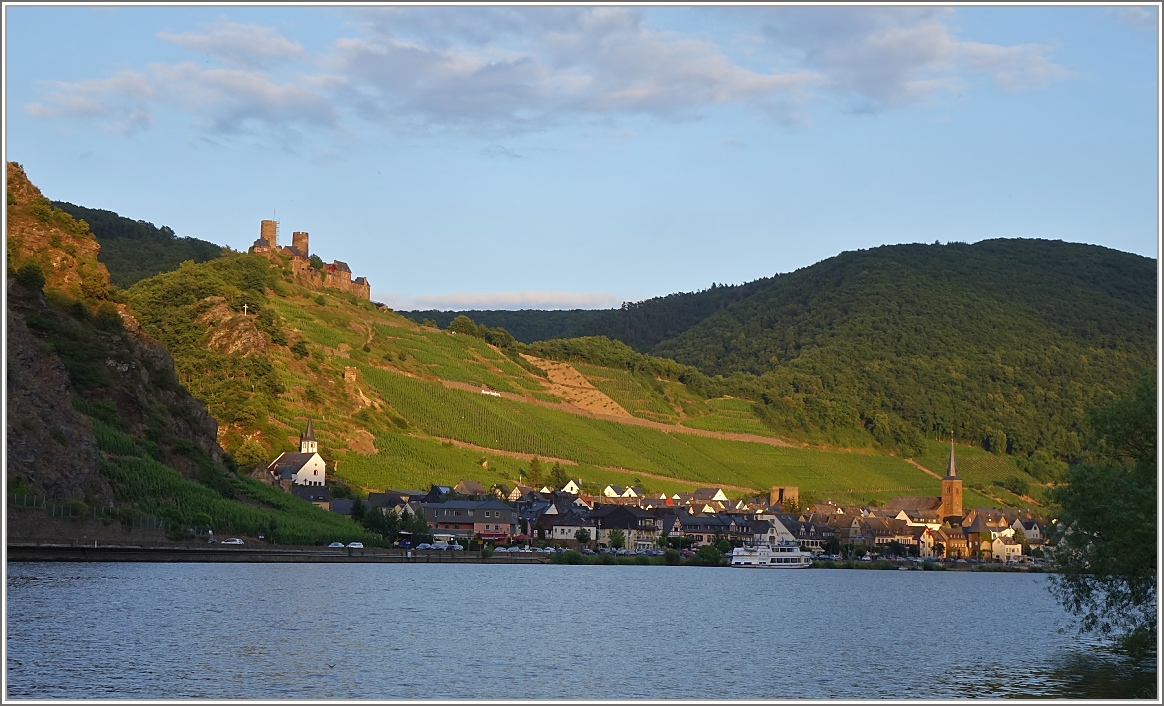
(951, 488)
(308, 445)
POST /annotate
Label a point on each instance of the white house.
(633, 492)
(612, 491)
(304, 468)
(1006, 549)
(572, 488)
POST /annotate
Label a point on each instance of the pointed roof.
(308, 435)
(951, 469)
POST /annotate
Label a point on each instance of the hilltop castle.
(337, 275)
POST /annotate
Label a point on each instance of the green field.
(515, 426)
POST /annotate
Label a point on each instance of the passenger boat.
(785, 555)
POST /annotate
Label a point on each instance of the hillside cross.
(244, 309)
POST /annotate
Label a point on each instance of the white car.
(336, 545)
(356, 545)
(232, 540)
(424, 545)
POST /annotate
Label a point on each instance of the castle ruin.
(337, 275)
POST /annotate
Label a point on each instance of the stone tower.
(951, 489)
(269, 231)
(308, 445)
(299, 242)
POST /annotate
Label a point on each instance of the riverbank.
(220, 553)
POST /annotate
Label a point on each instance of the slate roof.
(342, 266)
(342, 506)
(360, 280)
(913, 504)
(951, 468)
(308, 435)
(469, 487)
(289, 461)
(312, 493)
(262, 243)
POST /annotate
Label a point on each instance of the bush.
(672, 557)
(300, 349)
(31, 277)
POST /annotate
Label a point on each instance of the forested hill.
(640, 325)
(1003, 340)
(134, 250)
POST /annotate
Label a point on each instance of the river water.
(451, 631)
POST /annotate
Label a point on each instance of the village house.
(488, 519)
(319, 496)
(640, 528)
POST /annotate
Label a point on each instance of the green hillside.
(96, 415)
(133, 250)
(390, 398)
(1002, 343)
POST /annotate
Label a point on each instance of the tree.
(534, 474)
(616, 539)
(583, 536)
(316, 262)
(1105, 538)
(357, 510)
(558, 477)
(832, 545)
(724, 546)
(250, 454)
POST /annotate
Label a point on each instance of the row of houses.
(560, 517)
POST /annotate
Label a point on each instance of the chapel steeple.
(307, 443)
(952, 489)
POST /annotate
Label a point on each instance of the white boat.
(785, 555)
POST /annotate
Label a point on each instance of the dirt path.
(509, 454)
(922, 468)
(572, 386)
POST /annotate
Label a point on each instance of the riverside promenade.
(218, 553)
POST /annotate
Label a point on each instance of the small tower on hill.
(308, 445)
(951, 488)
(269, 231)
(299, 242)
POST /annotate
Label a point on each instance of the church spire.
(307, 443)
(951, 469)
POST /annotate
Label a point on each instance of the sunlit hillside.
(400, 405)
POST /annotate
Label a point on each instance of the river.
(452, 631)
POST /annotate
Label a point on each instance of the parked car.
(355, 545)
(424, 545)
(336, 545)
(405, 544)
(232, 540)
(457, 548)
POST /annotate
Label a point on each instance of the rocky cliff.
(79, 365)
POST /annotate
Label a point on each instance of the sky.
(582, 156)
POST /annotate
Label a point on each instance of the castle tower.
(299, 242)
(269, 231)
(308, 445)
(951, 488)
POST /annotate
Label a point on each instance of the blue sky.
(514, 157)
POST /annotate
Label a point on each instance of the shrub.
(300, 349)
(672, 557)
(31, 277)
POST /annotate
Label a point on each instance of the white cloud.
(883, 57)
(238, 44)
(501, 300)
(499, 71)
(1141, 16)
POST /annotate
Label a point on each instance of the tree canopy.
(1105, 556)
